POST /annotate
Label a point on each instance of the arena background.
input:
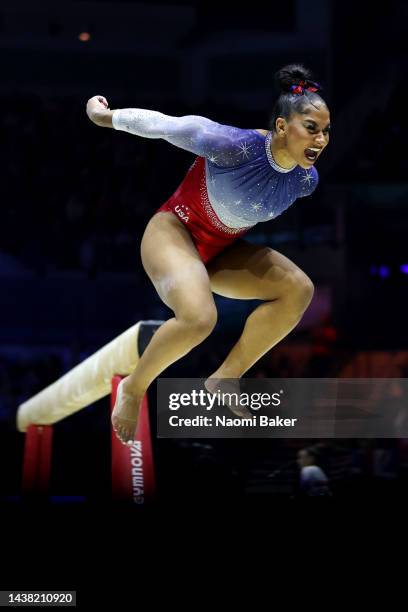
(75, 200)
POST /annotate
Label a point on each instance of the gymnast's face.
(306, 134)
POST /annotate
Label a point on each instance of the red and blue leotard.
(234, 182)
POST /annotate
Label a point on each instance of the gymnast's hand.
(98, 111)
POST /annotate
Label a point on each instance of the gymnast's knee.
(197, 322)
(300, 290)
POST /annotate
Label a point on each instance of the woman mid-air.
(193, 245)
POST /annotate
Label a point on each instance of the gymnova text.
(223, 421)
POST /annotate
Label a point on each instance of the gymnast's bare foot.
(125, 413)
(230, 387)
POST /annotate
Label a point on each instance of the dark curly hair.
(289, 102)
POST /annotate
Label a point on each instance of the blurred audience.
(313, 480)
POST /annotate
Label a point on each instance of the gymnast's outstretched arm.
(221, 144)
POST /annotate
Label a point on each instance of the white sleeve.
(221, 144)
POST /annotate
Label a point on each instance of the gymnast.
(193, 245)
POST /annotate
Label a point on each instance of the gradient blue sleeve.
(222, 145)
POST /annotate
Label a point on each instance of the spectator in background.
(313, 481)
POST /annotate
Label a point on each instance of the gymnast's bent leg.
(181, 280)
(247, 271)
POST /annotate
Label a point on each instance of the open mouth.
(311, 154)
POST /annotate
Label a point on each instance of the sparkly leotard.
(239, 182)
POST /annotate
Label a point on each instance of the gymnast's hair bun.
(292, 74)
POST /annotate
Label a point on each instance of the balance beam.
(87, 382)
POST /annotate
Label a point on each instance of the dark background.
(75, 200)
